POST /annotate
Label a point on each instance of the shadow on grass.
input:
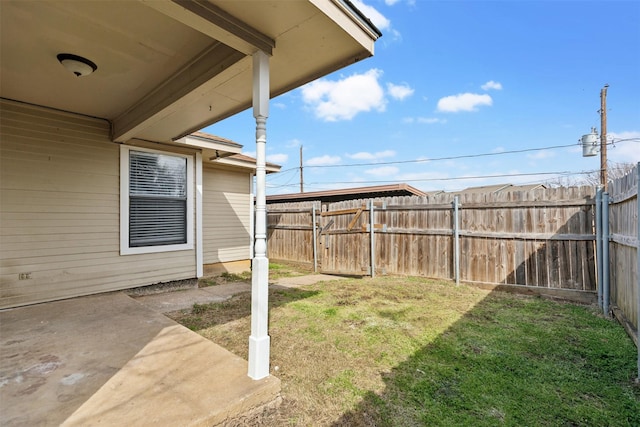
(203, 316)
(512, 361)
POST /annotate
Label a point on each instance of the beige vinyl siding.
(226, 215)
(59, 211)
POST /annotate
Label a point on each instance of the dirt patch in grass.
(159, 288)
(224, 278)
(407, 351)
(276, 271)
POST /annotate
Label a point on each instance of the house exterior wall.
(226, 219)
(59, 211)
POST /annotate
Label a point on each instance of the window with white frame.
(156, 201)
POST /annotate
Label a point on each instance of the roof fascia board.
(211, 20)
(364, 21)
(357, 192)
(174, 92)
(201, 143)
(346, 19)
(230, 161)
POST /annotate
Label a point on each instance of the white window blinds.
(157, 199)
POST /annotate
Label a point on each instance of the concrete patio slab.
(109, 360)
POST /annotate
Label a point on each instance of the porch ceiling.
(167, 68)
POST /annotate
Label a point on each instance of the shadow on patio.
(106, 359)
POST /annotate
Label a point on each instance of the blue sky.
(458, 78)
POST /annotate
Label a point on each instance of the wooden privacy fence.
(624, 256)
(541, 238)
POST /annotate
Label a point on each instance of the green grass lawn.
(414, 352)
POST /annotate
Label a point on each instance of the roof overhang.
(167, 68)
(218, 151)
(211, 146)
(245, 162)
(354, 193)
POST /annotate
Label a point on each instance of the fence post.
(372, 239)
(638, 268)
(456, 240)
(315, 246)
(605, 253)
(599, 244)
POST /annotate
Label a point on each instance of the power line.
(455, 178)
(464, 156)
(286, 184)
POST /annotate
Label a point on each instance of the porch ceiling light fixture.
(77, 64)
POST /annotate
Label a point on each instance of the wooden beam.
(159, 103)
(286, 211)
(341, 212)
(621, 239)
(326, 227)
(355, 218)
(213, 21)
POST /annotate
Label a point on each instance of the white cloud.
(363, 155)
(463, 102)
(492, 85)
(498, 150)
(278, 158)
(378, 19)
(424, 120)
(399, 92)
(280, 105)
(624, 151)
(431, 120)
(393, 2)
(383, 171)
(325, 160)
(343, 99)
(541, 155)
(249, 153)
(294, 143)
(623, 135)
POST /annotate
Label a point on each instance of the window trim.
(125, 249)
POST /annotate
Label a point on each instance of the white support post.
(199, 198)
(259, 341)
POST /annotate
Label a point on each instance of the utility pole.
(301, 175)
(603, 137)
